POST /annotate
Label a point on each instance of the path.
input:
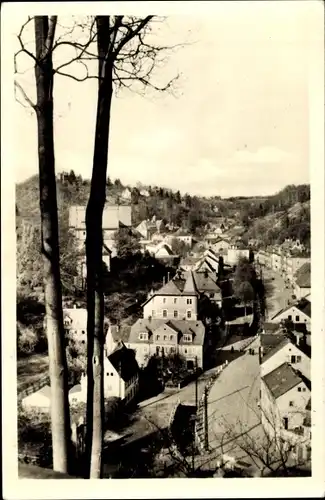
(280, 295)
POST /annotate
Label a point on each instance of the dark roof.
(120, 332)
(273, 345)
(124, 362)
(282, 379)
(271, 327)
(303, 275)
(206, 283)
(305, 307)
(196, 328)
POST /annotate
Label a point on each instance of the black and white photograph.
(164, 186)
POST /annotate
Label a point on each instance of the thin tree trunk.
(60, 419)
(94, 244)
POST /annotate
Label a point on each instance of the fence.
(36, 386)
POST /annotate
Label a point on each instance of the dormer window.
(143, 336)
(189, 301)
(187, 337)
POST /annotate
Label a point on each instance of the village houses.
(302, 281)
(286, 408)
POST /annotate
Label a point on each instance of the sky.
(238, 123)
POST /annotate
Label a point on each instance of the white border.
(157, 488)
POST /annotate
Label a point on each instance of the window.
(293, 359)
(164, 300)
(290, 403)
(171, 337)
(289, 317)
(304, 389)
(165, 337)
(107, 374)
(211, 295)
(189, 314)
(285, 423)
(299, 389)
(175, 301)
(165, 313)
(157, 337)
(187, 338)
(297, 318)
(112, 374)
(82, 341)
(175, 314)
(185, 351)
(298, 359)
(189, 301)
(83, 331)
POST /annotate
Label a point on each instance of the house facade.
(221, 245)
(234, 254)
(75, 323)
(114, 217)
(170, 302)
(293, 264)
(285, 403)
(121, 375)
(165, 337)
(299, 314)
(286, 352)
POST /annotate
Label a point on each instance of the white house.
(75, 323)
(285, 405)
(145, 193)
(302, 281)
(121, 376)
(173, 301)
(221, 245)
(299, 314)
(126, 194)
(234, 254)
(285, 352)
(163, 337)
(39, 400)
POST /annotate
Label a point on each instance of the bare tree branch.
(27, 99)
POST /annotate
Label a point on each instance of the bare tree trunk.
(60, 419)
(94, 245)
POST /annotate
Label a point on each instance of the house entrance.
(190, 365)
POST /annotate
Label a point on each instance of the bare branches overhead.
(132, 52)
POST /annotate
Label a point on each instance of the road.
(279, 294)
(233, 405)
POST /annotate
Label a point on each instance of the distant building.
(75, 323)
(234, 254)
(146, 229)
(293, 264)
(126, 194)
(220, 245)
(114, 218)
(145, 193)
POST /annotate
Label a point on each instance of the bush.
(26, 340)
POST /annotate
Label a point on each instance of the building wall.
(293, 264)
(144, 350)
(234, 254)
(293, 314)
(293, 405)
(219, 245)
(301, 292)
(155, 307)
(284, 356)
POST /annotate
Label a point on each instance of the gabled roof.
(124, 362)
(282, 379)
(303, 276)
(206, 283)
(170, 288)
(303, 306)
(273, 350)
(195, 328)
(166, 247)
(190, 286)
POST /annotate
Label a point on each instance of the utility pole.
(206, 425)
(196, 385)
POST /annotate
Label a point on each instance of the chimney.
(168, 274)
(164, 280)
